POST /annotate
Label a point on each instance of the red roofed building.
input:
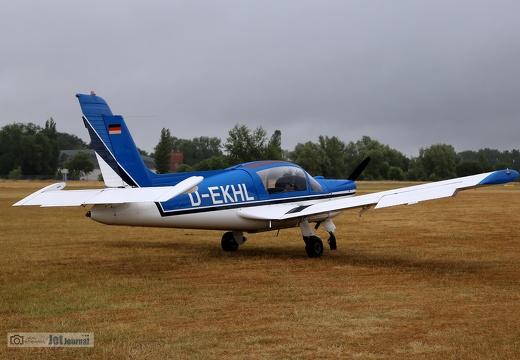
(176, 159)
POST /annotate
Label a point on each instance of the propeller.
(357, 171)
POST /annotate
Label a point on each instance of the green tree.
(469, 167)
(214, 163)
(53, 154)
(70, 142)
(439, 161)
(184, 168)
(162, 152)
(382, 158)
(415, 170)
(244, 145)
(29, 147)
(16, 174)
(143, 152)
(274, 147)
(311, 157)
(197, 149)
(79, 165)
(10, 150)
(34, 154)
(395, 173)
(334, 148)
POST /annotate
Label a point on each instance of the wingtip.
(53, 187)
(500, 177)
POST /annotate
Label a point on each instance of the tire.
(332, 242)
(313, 247)
(228, 242)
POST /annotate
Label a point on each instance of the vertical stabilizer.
(113, 143)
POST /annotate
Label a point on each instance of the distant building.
(176, 159)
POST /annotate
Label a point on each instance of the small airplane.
(251, 197)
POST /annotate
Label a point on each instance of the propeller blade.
(355, 174)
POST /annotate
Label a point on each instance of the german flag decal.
(114, 129)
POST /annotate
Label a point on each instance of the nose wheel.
(332, 241)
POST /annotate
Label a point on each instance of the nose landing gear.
(332, 241)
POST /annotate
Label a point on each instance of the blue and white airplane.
(251, 197)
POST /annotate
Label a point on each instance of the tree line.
(31, 150)
(330, 156)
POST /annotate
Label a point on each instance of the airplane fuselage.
(220, 198)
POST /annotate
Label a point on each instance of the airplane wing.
(53, 195)
(406, 195)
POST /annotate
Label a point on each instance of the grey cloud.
(407, 73)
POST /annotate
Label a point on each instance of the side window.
(283, 179)
(315, 186)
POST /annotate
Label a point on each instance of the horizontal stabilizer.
(53, 195)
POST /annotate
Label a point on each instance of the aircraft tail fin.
(121, 164)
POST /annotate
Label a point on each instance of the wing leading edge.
(407, 195)
(53, 195)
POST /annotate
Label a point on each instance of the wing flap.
(54, 196)
(415, 196)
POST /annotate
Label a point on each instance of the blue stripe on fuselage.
(209, 208)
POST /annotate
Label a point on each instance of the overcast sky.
(406, 73)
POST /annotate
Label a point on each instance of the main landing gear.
(313, 244)
(232, 239)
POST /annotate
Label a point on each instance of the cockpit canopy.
(282, 179)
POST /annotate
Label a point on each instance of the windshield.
(284, 179)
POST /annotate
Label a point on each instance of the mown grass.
(437, 280)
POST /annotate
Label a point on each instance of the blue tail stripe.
(118, 149)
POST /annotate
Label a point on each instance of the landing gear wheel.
(313, 246)
(228, 242)
(332, 242)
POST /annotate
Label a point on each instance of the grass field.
(437, 280)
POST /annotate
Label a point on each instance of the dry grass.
(437, 280)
